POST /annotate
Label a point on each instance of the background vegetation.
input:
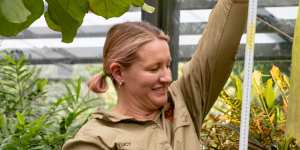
(29, 119)
(268, 114)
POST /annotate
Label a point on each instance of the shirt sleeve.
(210, 66)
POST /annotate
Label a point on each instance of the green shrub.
(28, 119)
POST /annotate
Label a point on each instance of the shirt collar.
(115, 117)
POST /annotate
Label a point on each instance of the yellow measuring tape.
(250, 37)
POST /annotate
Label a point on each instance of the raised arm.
(206, 73)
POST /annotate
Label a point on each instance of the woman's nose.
(166, 76)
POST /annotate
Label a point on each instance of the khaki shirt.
(190, 97)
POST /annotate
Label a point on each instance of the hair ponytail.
(98, 83)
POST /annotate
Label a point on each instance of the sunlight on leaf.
(257, 80)
(112, 8)
(36, 8)
(279, 78)
(14, 11)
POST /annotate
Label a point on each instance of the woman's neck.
(136, 111)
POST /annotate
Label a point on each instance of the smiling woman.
(136, 50)
(152, 111)
(149, 93)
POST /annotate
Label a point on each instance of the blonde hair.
(122, 43)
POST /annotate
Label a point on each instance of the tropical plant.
(64, 16)
(268, 114)
(28, 119)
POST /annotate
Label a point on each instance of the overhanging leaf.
(36, 8)
(51, 24)
(137, 3)
(66, 16)
(14, 11)
(112, 8)
(76, 8)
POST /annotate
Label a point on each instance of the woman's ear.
(117, 72)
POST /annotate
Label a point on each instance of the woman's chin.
(160, 101)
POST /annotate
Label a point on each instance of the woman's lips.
(160, 90)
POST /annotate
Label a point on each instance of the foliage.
(28, 120)
(268, 114)
(64, 16)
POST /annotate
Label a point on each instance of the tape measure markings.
(248, 68)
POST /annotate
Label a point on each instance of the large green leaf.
(14, 11)
(66, 16)
(51, 24)
(10, 28)
(112, 8)
(76, 8)
(137, 3)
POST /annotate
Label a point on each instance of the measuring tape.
(248, 68)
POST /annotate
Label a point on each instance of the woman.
(152, 113)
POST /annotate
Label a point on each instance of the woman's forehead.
(155, 48)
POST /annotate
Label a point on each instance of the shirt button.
(154, 126)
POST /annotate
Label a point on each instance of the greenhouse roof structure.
(276, 19)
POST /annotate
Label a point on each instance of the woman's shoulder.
(101, 125)
(94, 133)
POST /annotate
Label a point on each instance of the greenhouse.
(50, 49)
